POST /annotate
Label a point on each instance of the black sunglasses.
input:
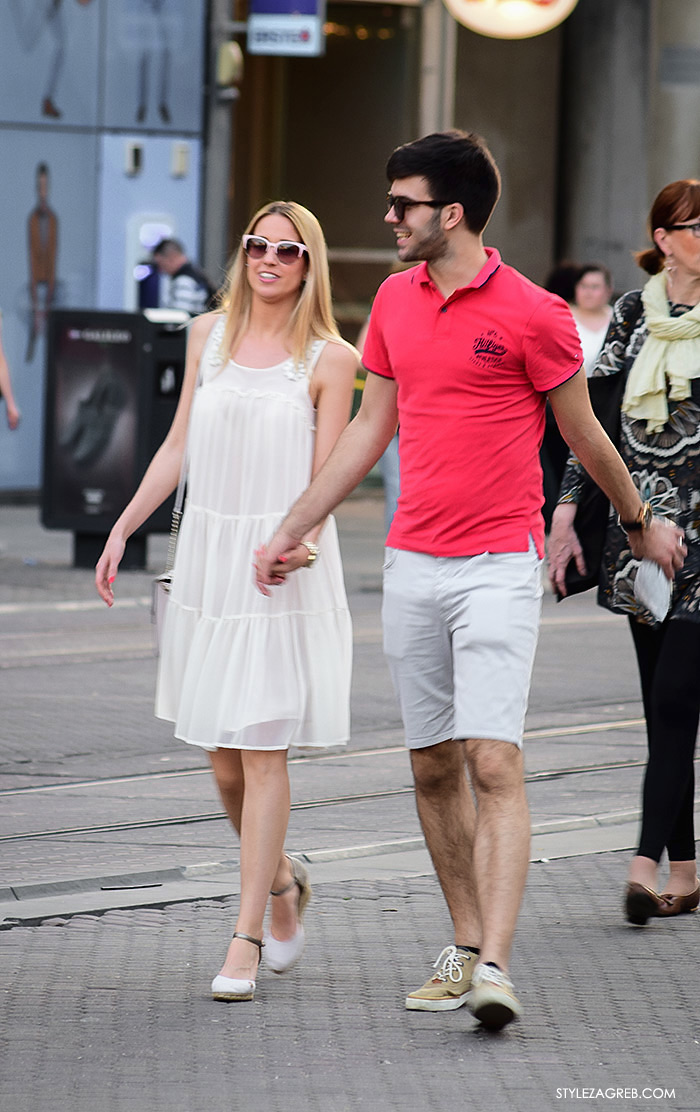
(287, 251)
(694, 228)
(400, 204)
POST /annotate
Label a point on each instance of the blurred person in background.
(587, 290)
(189, 288)
(592, 311)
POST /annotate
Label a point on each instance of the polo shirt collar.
(493, 261)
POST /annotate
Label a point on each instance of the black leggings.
(669, 667)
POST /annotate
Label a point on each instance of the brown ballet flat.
(643, 903)
(680, 905)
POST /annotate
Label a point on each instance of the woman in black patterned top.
(654, 341)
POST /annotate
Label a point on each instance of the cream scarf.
(669, 355)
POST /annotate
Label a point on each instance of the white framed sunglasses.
(287, 251)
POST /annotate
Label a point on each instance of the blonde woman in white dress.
(267, 391)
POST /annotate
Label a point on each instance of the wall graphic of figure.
(155, 54)
(42, 228)
(32, 18)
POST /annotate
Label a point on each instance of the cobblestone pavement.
(112, 1013)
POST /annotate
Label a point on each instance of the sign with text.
(291, 27)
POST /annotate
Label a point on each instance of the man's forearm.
(606, 467)
(591, 445)
(354, 454)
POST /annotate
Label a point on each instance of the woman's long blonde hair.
(312, 317)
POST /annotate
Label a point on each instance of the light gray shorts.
(460, 635)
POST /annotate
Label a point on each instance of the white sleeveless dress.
(238, 670)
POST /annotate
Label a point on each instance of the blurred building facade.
(586, 121)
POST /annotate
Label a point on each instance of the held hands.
(106, 570)
(275, 561)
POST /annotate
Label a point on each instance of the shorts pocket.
(390, 556)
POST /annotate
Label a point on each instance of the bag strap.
(177, 514)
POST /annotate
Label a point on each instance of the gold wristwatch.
(641, 522)
(313, 553)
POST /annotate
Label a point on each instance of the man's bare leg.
(501, 842)
(447, 816)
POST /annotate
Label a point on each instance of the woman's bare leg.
(254, 788)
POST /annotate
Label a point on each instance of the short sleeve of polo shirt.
(551, 345)
(375, 356)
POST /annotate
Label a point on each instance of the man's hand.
(663, 542)
(274, 561)
(563, 547)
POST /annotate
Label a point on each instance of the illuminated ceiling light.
(510, 19)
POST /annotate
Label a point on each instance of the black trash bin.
(112, 385)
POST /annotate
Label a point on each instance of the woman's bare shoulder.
(201, 326)
(338, 355)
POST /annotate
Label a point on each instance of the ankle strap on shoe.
(287, 888)
(293, 881)
(249, 938)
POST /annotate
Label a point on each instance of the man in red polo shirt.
(464, 350)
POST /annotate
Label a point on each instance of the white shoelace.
(450, 965)
(490, 973)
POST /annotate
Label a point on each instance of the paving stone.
(117, 1008)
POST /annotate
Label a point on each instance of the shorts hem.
(480, 735)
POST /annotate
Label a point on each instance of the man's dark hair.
(167, 245)
(458, 167)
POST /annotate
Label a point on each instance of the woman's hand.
(272, 569)
(107, 566)
(563, 547)
(13, 414)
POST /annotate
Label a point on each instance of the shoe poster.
(94, 386)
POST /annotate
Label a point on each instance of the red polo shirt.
(472, 372)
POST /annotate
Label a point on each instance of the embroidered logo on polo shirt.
(489, 349)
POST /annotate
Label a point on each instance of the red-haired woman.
(654, 340)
